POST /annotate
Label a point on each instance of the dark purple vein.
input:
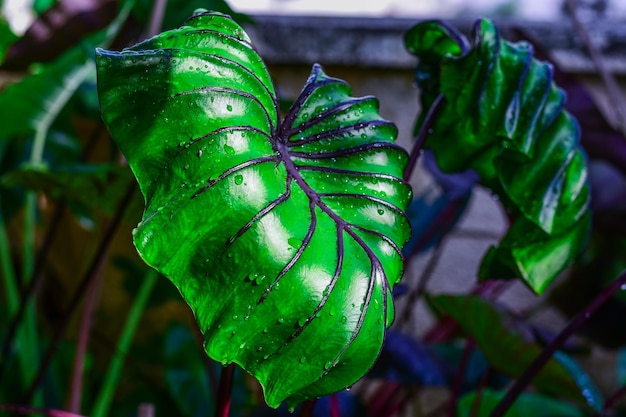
(391, 243)
(204, 90)
(331, 286)
(338, 132)
(230, 171)
(271, 206)
(340, 107)
(296, 256)
(342, 171)
(349, 151)
(304, 95)
(223, 130)
(224, 62)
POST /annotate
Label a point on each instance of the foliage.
(314, 204)
(310, 210)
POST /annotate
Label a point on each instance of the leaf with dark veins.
(284, 238)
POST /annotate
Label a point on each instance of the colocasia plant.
(287, 234)
(284, 235)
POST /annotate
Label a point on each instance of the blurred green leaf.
(526, 405)
(30, 104)
(186, 373)
(504, 117)
(100, 187)
(587, 387)
(7, 37)
(621, 367)
(504, 347)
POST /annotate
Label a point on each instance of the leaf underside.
(503, 117)
(283, 237)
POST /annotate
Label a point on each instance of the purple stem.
(556, 344)
(459, 377)
(224, 393)
(334, 406)
(307, 408)
(612, 401)
(421, 137)
(22, 409)
(91, 301)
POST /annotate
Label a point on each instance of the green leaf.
(7, 37)
(32, 104)
(97, 187)
(592, 394)
(503, 117)
(279, 235)
(528, 404)
(505, 349)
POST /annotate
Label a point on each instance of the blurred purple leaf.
(408, 361)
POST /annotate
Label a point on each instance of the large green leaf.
(504, 347)
(503, 117)
(284, 238)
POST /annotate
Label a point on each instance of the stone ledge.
(377, 42)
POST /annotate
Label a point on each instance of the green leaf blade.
(503, 117)
(285, 238)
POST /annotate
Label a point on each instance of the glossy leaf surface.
(505, 348)
(283, 237)
(503, 117)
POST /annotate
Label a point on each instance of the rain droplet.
(302, 321)
(235, 317)
(344, 319)
(281, 320)
(229, 107)
(302, 359)
(381, 212)
(238, 179)
(199, 153)
(327, 365)
(229, 149)
(187, 166)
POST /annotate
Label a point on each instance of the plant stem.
(156, 18)
(22, 409)
(459, 377)
(334, 406)
(307, 408)
(103, 401)
(421, 137)
(415, 294)
(557, 343)
(91, 301)
(224, 393)
(82, 286)
(29, 345)
(611, 87)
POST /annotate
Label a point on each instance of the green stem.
(29, 341)
(111, 379)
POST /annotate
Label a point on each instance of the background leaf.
(503, 117)
(529, 404)
(505, 349)
(275, 234)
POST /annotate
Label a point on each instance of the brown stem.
(87, 278)
(557, 343)
(224, 393)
